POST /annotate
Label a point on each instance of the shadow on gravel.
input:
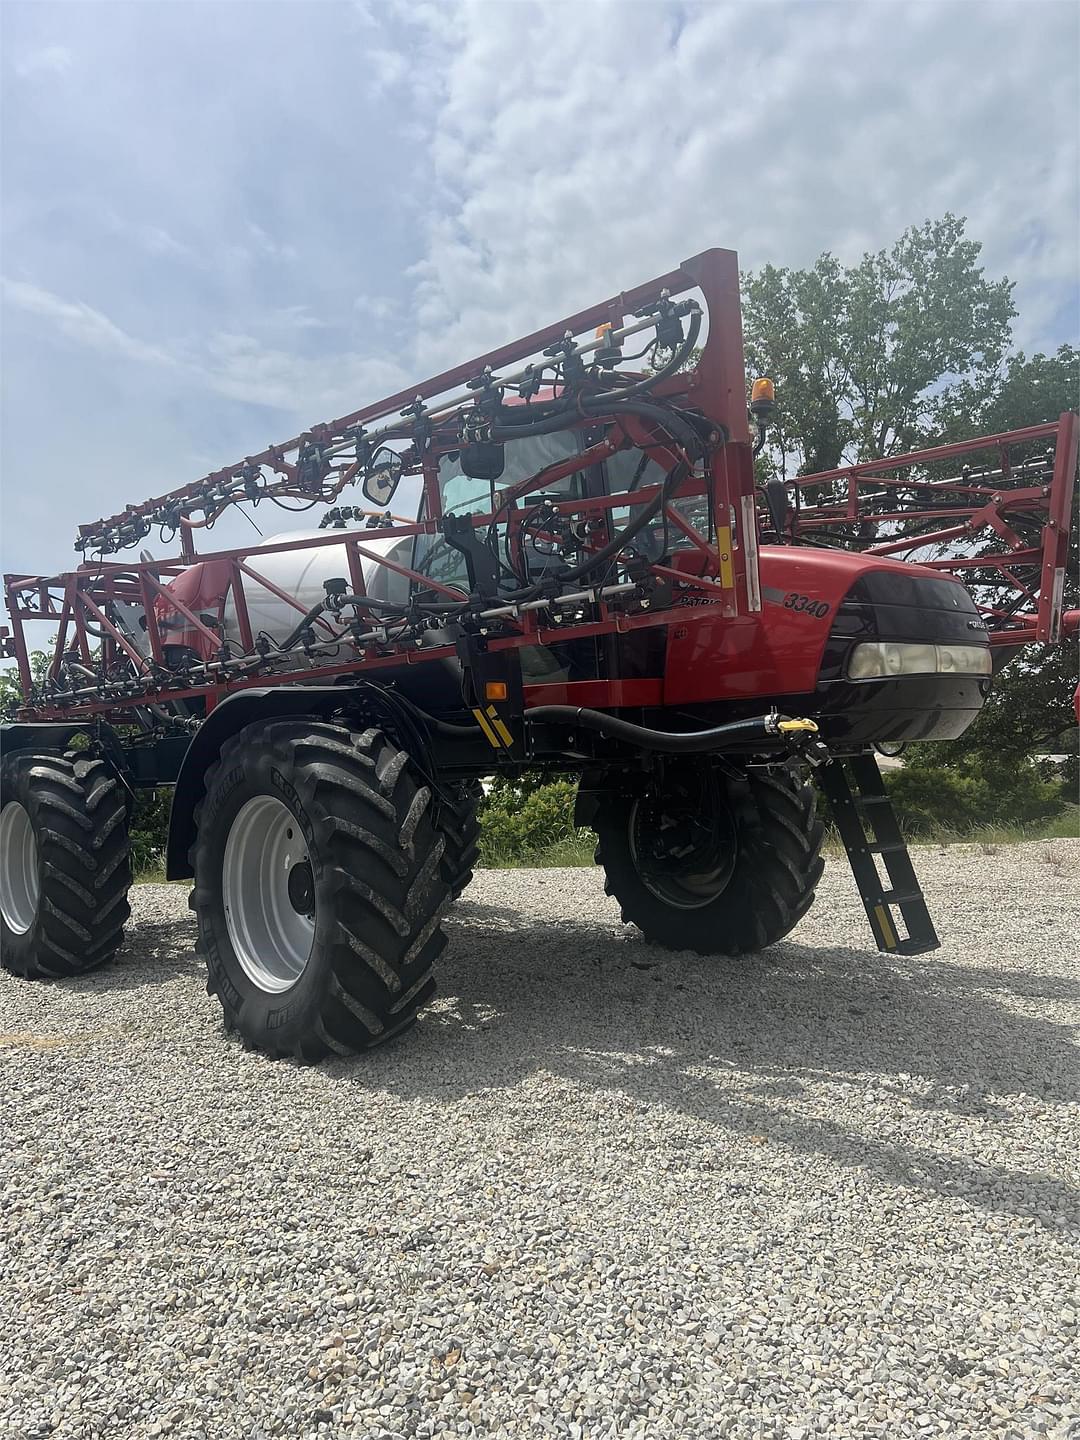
(154, 952)
(729, 1043)
(613, 1013)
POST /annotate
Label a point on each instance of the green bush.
(149, 832)
(974, 792)
(525, 819)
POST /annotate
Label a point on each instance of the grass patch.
(576, 850)
(1065, 826)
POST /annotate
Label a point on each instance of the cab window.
(463, 495)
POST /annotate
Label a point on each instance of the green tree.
(1030, 707)
(11, 696)
(864, 356)
(907, 349)
(1023, 392)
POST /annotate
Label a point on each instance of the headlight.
(889, 657)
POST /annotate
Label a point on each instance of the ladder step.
(885, 839)
(919, 945)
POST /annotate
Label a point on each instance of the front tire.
(318, 888)
(717, 863)
(64, 865)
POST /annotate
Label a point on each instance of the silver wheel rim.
(270, 936)
(20, 883)
(692, 890)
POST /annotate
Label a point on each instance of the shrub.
(520, 820)
(976, 791)
(149, 832)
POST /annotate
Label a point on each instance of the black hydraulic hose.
(648, 512)
(294, 635)
(443, 727)
(668, 418)
(613, 403)
(762, 730)
(677, 359)
(401, 607)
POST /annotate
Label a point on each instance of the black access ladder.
(864, 816)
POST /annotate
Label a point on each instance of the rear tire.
(458, 822)
(739, 871)
(64, 865)
(318, 888)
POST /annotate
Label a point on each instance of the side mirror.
(381, 481)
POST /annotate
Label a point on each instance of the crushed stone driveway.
(600, 1190)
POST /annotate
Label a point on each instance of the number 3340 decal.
(805, 606)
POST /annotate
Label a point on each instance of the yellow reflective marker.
(496, 733)
(492, 739)
(723, 545)
(499, 728)
(888, 934)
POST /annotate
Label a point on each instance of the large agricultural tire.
(65, 867)
(318, 888)
(715, 863)
(458, 822)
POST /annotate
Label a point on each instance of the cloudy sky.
(225, 221)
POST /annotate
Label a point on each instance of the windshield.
(464, 495)
(634, 469)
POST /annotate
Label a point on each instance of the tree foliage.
(1023, 392)
(864, 356)
(1030, 707)
(11, 696)
(907, 349)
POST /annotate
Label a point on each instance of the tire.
(745, 889)
(458, 822)
(338, 957)
(65, 868)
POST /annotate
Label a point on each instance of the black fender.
(46, 736)
(51, 737)
(233, 713)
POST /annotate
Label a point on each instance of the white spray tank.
(300, 574)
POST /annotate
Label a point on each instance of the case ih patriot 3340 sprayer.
(593, 582)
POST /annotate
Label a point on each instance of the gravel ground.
(599, 1191)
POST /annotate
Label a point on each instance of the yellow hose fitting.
(788, 725)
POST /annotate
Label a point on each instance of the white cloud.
(309, 246)
(386, 68)
(82, 323)
(268, 246)
(376, 307)
(580, 150)
(153, 238)
(239, 367)
(47, 60)
(293, 318)
(158, 241)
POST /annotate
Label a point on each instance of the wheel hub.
(268, 893)
(684, 844)
(301, 888)
(20, 883)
